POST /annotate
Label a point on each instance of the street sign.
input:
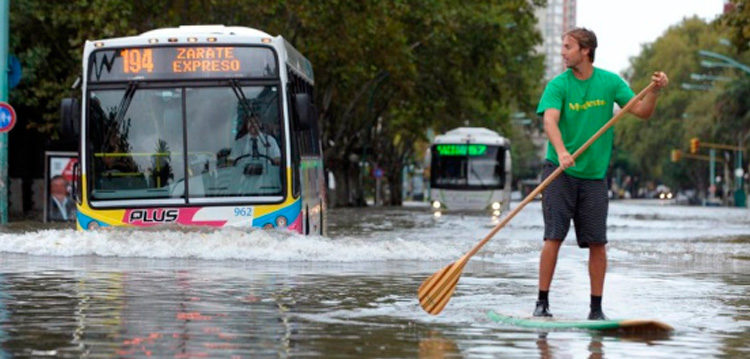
(7, 117)
(14, 71)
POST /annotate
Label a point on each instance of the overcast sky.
(621, 26)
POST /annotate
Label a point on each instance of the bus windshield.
(467, 166)
(184, 143)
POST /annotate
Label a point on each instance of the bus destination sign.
(186, 62)
(461, 150)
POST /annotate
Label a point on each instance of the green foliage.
(48, 38)
(526, 161)
(738, 21)
(733, 112)
(385, 70)
(680, 114)
(475, 65)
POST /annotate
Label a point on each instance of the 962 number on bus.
(243, 211)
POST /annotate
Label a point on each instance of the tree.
(737, 20)
(733, 104)
(385, 71)
(680, 114)
(475, 65)
(406, 66)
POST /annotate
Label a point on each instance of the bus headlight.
(496, 206)
(436, 204)
(281, 221)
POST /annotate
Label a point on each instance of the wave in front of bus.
(85, 222)
(291, 216)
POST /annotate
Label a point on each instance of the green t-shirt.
(585, 106)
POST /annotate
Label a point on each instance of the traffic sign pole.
(4, 28)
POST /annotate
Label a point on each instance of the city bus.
(470, 171)
(197, 126)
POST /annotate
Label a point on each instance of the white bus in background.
(470, 170)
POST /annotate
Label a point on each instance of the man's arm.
(551, 128)
(645, 107)
(274, 150)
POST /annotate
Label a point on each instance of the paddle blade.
(436, 291)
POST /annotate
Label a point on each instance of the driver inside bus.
(252, 144)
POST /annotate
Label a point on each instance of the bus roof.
(206, 30)
(473, 135)
(220, 34)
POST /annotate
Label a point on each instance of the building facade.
(558, 17)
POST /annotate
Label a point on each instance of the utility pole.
(740, 197)
(4, 29)
(738, 194)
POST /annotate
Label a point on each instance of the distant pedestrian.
(575, 105)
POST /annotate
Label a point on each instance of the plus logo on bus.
(151, 216)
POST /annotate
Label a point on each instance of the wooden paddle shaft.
(558, 171)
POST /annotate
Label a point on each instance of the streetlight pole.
(728, 62)
(740, 197)
(712, 175)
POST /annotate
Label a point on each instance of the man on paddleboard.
(575, 105)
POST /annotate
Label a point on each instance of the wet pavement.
(233, 294)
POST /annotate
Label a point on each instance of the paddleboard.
(625, 325)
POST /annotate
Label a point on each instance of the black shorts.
(585, 201)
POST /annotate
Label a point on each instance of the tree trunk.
(356, 192)
(396, 186)
(348, 191)
(395, 183)
(339, 193)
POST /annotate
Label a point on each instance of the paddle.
(436, 291)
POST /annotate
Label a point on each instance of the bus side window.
(305, 136)
(294, 142)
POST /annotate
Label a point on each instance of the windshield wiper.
(125, 101)
(245, 107)
(127, 98)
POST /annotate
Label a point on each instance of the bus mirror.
(314, 118)
(70, 115)
(303, 111)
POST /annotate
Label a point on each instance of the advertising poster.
(59, 205)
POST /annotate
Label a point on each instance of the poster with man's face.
(60, 206)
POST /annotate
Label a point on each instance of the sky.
(622, 26)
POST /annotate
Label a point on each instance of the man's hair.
(57, 177)
(586, 39)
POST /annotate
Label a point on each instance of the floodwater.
(234, 294)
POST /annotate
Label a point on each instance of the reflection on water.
(555, 348)
(134, 314)
(435, 346)
(211, 294)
